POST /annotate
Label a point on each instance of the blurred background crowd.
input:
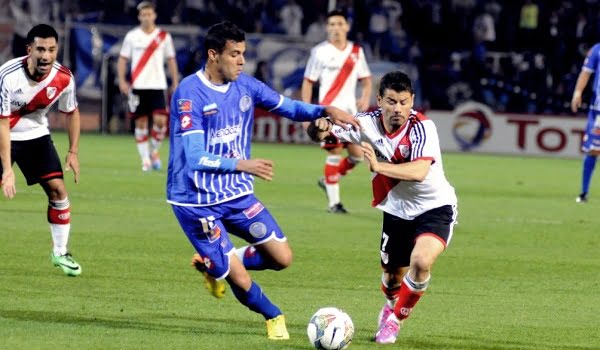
(515, 56)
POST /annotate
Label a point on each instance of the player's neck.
(339, 44)
(212, 75)
(148, 29)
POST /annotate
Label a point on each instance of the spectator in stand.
(291, 18)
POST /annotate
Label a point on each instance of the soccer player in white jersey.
(409, 186)
(29, 86)
(210, 180)
(147, 47)
(337, 65)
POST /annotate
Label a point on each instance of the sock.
(409, 295)
(141, 138)
(391, 293)
(59, 217)
(255, 300)
(346, 165)
(589, 163)
(157, 135)
(332, 176)
(251, 258)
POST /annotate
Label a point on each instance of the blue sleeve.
(198, 159)
(591, 60)
(283, 106)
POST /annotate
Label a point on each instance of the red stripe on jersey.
(45, 97)
(382, 185)
(342, 76)
(147, 54)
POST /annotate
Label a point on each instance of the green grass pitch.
(522, 271)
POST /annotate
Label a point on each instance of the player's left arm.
(172, 63)
(67, 105)
(7, 178)
(415, 170)
(366, 83)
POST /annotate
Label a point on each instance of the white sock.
(60, 232)
(141, 138)
(333, 193)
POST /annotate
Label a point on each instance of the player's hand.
(319, 129)
(341, 118)
(8, 183)
(575, 102)
(72, 163)
(124, 88)
(362, 104)
(370, 156)
(262, 168)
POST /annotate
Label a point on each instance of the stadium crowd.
(518, 56)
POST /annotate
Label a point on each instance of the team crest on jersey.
(245, 103)
(186, 121)
(50, 92)
(404, 151)
(184, 106)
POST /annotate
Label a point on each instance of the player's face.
(395, 108)
(42, 54)
(337, 28)
(231, 61)
(147, 17)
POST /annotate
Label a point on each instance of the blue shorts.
(208, 229)
(591, 139)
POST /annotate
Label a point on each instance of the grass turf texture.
(522, 271)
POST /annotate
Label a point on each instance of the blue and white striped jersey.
(223, 115)
(592, 64)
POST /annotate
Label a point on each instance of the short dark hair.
(217, 36)
(42, 31)
(397, 81)
(145, 5)
(338, 12)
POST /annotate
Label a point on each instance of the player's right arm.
(193, 137)
(8, 176)
(124, 56)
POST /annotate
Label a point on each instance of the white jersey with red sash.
(417, 139)
(26, 102)
(148, 53)
(337, 72)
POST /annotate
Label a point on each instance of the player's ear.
(378, 100)
(212, 54)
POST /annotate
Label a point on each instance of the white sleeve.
(425, 141)
(169, 47)
(126, 46)
(344, 135)
(362, 66)
(313, 66)
(4, 100)
(67, 102)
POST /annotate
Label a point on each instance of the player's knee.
(282, 261)
(421, 262)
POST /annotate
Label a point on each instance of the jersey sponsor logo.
(254, 210)
(50, 92)
(186, 121)
(224, 135)
(18, 104)
(209, 163)
(19, 91)
(258, 230)
(209, 109)
(245, 103)
(184, 106)
(378, 142)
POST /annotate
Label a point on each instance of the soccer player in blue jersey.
(211, 172)
(591, 139)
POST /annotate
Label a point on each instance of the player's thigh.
(397, 242)
(355, 151)
(437, 223)
(257, 226)
(208, 236)
(37, 159)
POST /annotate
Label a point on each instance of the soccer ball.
(331, 329)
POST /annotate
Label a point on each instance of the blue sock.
(252, 259)
(256, 300)
(589, 163)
